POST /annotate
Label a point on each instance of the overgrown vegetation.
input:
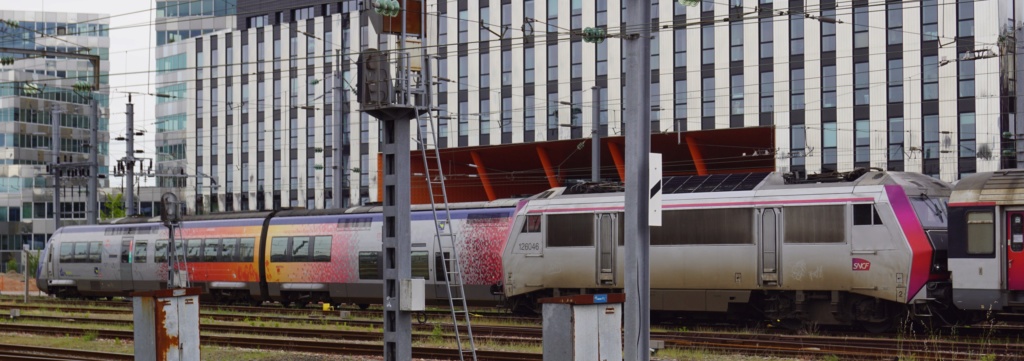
(113, 207)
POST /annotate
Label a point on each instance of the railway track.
(722, 342)
(279, 343)
(10, 352)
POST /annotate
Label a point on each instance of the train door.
(606, 234)
(1015, 250)
(126, 264)
(768, 221)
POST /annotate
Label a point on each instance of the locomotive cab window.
(980, 233)
(570, 230)
(532, 224)
(815, 224)
(865, 215)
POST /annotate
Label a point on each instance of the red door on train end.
(1015, 250)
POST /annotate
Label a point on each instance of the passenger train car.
(862, 248)
(986, 241)
(294, 256)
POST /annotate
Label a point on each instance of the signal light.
(389, 8)
(594, 35)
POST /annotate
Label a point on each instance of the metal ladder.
(449, 252)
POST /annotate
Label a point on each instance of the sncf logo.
(860, 264)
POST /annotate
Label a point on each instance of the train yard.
(500, 337)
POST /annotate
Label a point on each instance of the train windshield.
(930, 210)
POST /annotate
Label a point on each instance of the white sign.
(654, 206)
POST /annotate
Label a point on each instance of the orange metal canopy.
(509, 170)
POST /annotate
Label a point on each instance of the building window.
(463, 73)
(655, 52)
(967, 135)
(965, 18)
(576, 6)
(553, 15)
(485, 70)
(601, 12)
(463, 119)
(736, 95)
(861, 84)
(552, 110)
(930, 75)
(895, 153)
(506, 115)
(736, 41)
(679, 47)
(485, 121)
(708, 97)
(829, 138)
(796, 34)
(929, 20)
(862, 140)
(463, 26)
(965, 75)
(930, 136)
(767, 35)
(576, 58)
(895, 80)
(529, 117)
(602, 58)
(860, 27)
(529, 64)
(798, 144)
(680, 103)
(894, 20)
(553, 62)
(828, 86)
(506, 68)
(796, 88)
(277, 54)
(828, 31)
(707, 44)
(767, 92)
(485, 21)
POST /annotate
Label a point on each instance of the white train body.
(822, 252)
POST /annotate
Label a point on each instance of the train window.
(179, 250)
(439, 267)
(300, 249)
(126, 251)
(279, 249)
(815, 224)
(227, 250)
(322, 249)
(210, 249)
(369, 265)
(67, 252)
(81, 252)
(245, 249)
(95, 252)
(194, 250)
(160, 251)
(532, 224)
(140, 252)
(570, 230)
(705, 226)
(421, 265)
(865, 215)
(980, 233)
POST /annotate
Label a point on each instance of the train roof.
(739, 182)
(1002, 187)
